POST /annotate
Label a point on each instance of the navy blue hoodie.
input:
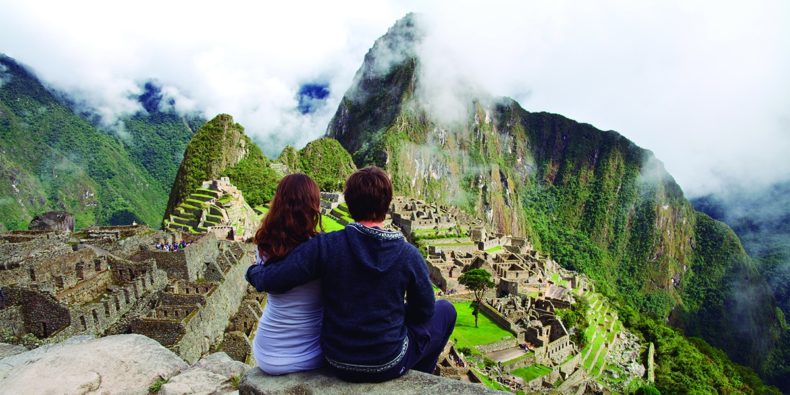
(365, 274)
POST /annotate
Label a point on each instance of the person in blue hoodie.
(380, 316)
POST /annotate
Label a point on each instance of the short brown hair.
(368, 194)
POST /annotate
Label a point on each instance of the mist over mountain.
(109, 149)
(591, 199)
(701, 84)
(761, 218)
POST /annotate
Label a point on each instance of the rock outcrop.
(136, 364)
(59, 221)
(113, 364)
(255, 382)
(213, 374)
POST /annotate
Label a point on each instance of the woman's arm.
(300, 266)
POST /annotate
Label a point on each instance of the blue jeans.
(426, 342)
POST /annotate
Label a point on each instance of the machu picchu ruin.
(217, 207)
(183, 286)
(111, 280)
(533, 349)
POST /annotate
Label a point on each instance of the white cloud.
(702, 84)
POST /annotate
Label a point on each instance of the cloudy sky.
(703, 84)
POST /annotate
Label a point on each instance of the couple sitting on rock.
(358, 300)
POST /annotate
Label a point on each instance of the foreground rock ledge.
(321, 382)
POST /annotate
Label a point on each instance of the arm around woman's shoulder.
(300, 266)
(419, 295)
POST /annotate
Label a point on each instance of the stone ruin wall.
(208, 326)
(241, 330)
(36, 312)
(47, 317)
(500, 319)
(191, 317)
(188, 264)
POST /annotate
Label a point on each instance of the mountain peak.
(219, 148)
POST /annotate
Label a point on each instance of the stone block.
(255, 382)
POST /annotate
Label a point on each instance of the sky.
(705, 85)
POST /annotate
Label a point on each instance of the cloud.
(4, 76)
(702, 84)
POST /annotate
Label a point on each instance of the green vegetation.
(532, 372)
(576, 317)
(491, 383)
(254, 178)
(478, 281)
(156, 385)
(235, 380)
(327, 163)
(324, 160)
(467, 335)
(688, 365)
(290, 158)
(494, 249)
(330, 225)
(157, 142)
(341, 211)
(214, 151)
(52, 159)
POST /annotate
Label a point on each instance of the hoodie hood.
(374, 248)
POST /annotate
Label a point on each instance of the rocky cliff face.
(591, 199)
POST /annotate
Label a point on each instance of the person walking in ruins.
(288, 335)
(369, 333)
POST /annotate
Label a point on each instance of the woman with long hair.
(289, 331)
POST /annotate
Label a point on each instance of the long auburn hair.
(294, 213)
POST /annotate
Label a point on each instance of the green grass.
(494, 249)
(431, 231)
(520, 358)
(455, 244)
(156, 385)
(261, 210)
(330, 225)
(465, 333)
(491, 383)
(531, 372)
(342, 212)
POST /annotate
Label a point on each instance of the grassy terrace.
(494, 249)
(556, 279)
(491, 383)
(342, 212)
(330, 225)
(600, 318)
(449, 243)
(531, 372)
(466, 335)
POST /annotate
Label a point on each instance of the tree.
(478, 280)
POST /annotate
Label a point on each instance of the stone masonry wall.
(495, 316)
(208, 325)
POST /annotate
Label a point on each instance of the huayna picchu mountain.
(591, 199)
(221, 148)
